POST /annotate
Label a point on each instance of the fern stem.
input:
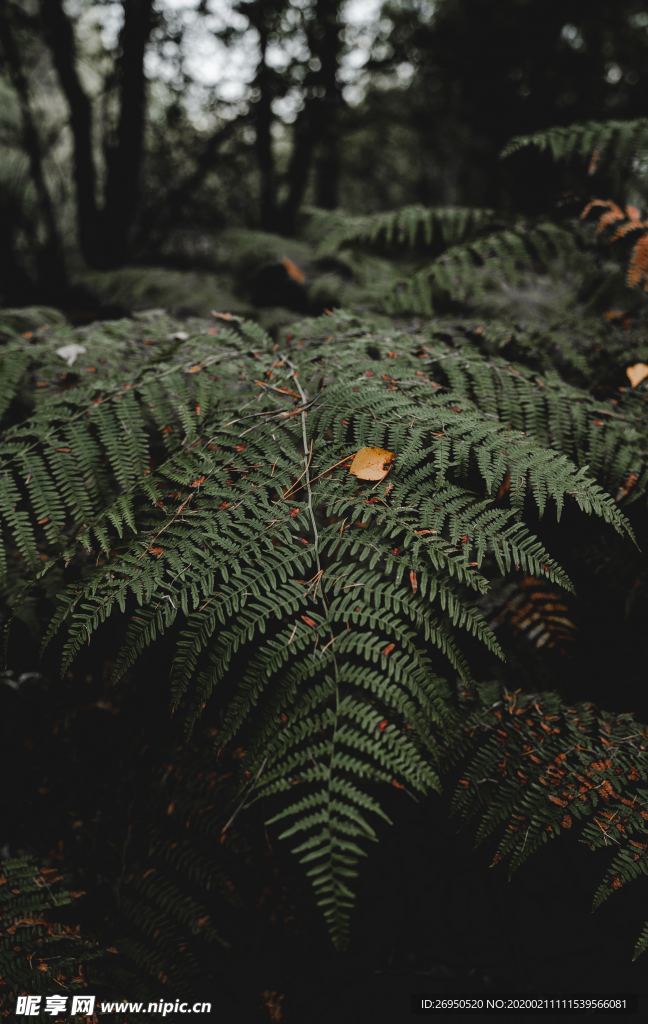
(321, 595)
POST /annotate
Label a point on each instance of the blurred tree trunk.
(60, 38)
(327, 171)
(265, 17)
(125, 157)
(104, 232)
(50, 259)
(15, 286)
(305, 134)
(317, 125)
(263, 118)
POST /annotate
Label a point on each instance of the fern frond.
(410, 226)
(454, 274)
(543, 769)
(72, 469)
(608, 436)
(38, 951)
(618, 142)
(187, 875)
(637, 275)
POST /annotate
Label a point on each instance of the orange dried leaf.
(293, 271)
(637, 373)
(372, 463)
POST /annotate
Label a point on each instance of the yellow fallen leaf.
(636, 373)
(372, 463)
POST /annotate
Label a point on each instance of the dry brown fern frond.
(637, 275)
(613, 213)
(628, 222)
(628, 228)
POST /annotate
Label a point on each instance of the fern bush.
(476, 251)
(315, 529)
(210, 496)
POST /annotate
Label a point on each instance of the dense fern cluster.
(471, 250)
(214, 497)
(194, 488)
(465, 243)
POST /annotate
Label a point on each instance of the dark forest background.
(177, 155)
(137, 135)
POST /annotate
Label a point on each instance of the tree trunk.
(317, 125)
(306, 132)
(51, 263)
(104, 233)
(327, 171)
(61, 41)
(263, 135)
(125, 157)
